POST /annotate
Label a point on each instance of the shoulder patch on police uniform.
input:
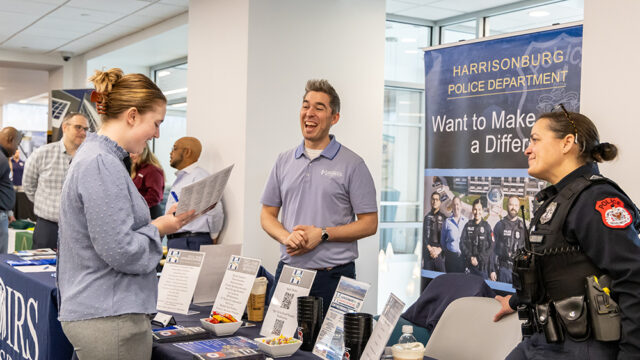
(614, 214)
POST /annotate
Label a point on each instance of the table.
(170, 352)
(29, 326)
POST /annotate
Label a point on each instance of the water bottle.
(407, 335)
(407, 347)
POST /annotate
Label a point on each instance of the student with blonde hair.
(109, 246)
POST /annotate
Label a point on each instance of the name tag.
(536, 239)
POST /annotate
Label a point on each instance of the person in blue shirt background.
(451, 231)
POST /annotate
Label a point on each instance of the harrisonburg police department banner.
(482, 99)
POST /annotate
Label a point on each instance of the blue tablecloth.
(171, 352)
(29, 327)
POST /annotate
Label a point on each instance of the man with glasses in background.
(9, 140)
(44, 174)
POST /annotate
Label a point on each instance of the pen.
(175, 197)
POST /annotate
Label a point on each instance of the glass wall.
(403, 51)
(458, 32)
(32, 120)
(402, 162)
(172, 80)
(540, 16)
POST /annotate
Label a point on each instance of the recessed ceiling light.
(538, 13)
(408, 40)
(163, 73)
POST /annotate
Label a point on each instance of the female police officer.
(585, 226)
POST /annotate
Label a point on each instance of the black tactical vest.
(478, 240)
(434, 224)
(511, 239)
(562, 264)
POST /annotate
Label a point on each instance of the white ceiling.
(77, 26)
(45, 27)
(435, 10)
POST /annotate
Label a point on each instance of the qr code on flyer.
(277, 327)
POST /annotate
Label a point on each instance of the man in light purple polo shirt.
(326, 194)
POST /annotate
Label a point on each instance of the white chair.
(466, 331)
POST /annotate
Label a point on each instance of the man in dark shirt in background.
(432, 256)
(509, 236)
(9, 140)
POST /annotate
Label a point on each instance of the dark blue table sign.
(29, 326)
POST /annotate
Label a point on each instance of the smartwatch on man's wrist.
(325, 235)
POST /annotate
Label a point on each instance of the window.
(401, 194)
(402, 162)
(458, 32)
(171, 78)
(540, 16)
(404, 58)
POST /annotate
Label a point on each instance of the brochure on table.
(282, 316)
(223, 346)
(384, 327)
(178, 280)
(213, 270)
(236, 286)
(348, 297)
(203, 194)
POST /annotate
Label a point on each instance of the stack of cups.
(357, 330)
(255, 306)
(309, 320)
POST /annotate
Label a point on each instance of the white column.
(248, 63)
(609, 84)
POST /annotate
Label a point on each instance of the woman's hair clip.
(98, 98)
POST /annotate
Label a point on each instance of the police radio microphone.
(527, 243)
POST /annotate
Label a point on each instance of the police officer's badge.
(548, 213)
(482, 230)
(614, 214)
(517, 235)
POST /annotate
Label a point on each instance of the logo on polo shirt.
(331, 173)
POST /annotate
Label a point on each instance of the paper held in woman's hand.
(202, 195)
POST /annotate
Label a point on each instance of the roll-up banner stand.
(482, 98)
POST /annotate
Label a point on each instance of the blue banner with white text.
(482, 98)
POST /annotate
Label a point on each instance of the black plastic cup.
(354, 348)
(309, 320)
(357, 330)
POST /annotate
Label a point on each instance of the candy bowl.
(280, 346)
(220, 328)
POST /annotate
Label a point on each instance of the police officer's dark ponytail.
(591, 149)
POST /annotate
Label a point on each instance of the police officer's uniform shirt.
(615, 250)
(476, 241)
(432, 228)
(509, 236)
